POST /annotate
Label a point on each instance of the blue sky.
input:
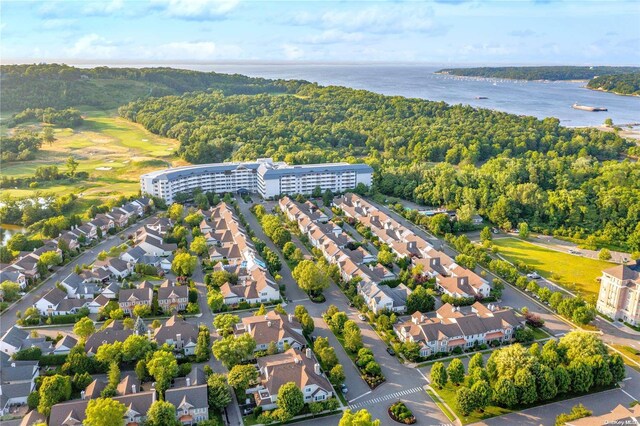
(442, 32)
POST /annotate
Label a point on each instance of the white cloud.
(292, 52)
(334, 36)
(101, 8)
(197, 50)
(196, 9)
(57, 23)
(92, 46)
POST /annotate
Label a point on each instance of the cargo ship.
(588, 108)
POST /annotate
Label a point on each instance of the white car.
(533, 276)
(361, 317)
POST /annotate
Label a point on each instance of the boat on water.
(481, 97)
(588, 108)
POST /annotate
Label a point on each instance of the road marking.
(358, 397)
(626, 378)
(423, 376)
(628, 394)
(299, 300)
(384, 397)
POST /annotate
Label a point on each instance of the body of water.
(539, 99)
(7, 231)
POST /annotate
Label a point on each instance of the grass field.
(114, 151)
(575, 273)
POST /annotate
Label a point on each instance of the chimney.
(188, 381)
(268, 323)
(308, 353)
(13, 365)
(133, 388)
(81, 394)
(296, 360)
(290, 316)
(316, 368)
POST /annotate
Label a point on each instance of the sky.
(474, 32)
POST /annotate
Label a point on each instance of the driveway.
(8, 317)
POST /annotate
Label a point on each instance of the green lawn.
(114, 151)
(448, 395)
(575, 273)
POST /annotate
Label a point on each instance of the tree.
(241, 376)
(420, 300)
(201, 201)
(108, 352)
(352, 336)
(584, 315)
(113, 375)
(218, 391)
(581, 376)
(141, 370)
(162, 413)
(546, 382)
(72, 166)
(504, 393)
(231, 350)
(128, 323)
(47, 135)
(136, 347)
(80, 381)
(327, 197)
(142, 311)
(50, 259)
(215, 300)
(176, 211)
(523, 230)
(476, 361)
(281, 236)
(338, 320)
(224, 323)
(361, 418)
(555, 299)
(439, 375)
(604, 254)
(10, 290)
(336, 375)
(105, 412)
(307, 324)
(218, 278)
(482, 394)
(465, 400)
(163, 367)
(485, 234)
(563, 379)
(288, 249)
(385, 257)
(53, 389)
(199, 246)
(203, 345)
(309, 277)
(455, 371)
(184, 264)
(525, 383)
(290, 399)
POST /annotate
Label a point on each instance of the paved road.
(8, 318)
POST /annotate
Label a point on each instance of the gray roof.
(10, 275)
(136, 252)
(73, 280)
(195, 396)
(178, 172)
(270, 171)
(67, 341)
(55, 296)
(118, 264)
(115, 331)
(15, 337)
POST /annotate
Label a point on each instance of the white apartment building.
(263, 176)
(619, 296)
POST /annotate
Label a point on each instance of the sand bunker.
(104, 168)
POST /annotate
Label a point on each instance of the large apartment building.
(263, 176)
(619, 296)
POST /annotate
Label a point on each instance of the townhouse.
(152, 242)
(17, 381)
(273, 327)
(178, 333)
(172, 298)
(382, 298)
(464, 327)
(130, 298)
(191, 402)
(255, 287)
(290, 366)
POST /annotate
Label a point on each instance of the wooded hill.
(539, 73)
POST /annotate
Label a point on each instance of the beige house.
(619, 296)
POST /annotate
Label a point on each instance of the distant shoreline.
(598, 89)
(512, 79)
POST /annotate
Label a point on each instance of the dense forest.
(539, 73)
(68, 117)
(507, 167)
(62, 86)
(621, 84)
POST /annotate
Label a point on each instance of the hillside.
(539, 73)
(621, 84)
(62, 86)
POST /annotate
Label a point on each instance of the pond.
(7, 231)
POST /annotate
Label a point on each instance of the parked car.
(572, 251)
(533, 276)
(362, 317)
(344, 389)
(247, 410)
(495, 230)
(390, 351)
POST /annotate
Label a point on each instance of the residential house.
(112, 333)
(33, 418)
(64, 345)
(72, 413)
(103, 222)
(12, 340)
(257, 287)
(133, 255)
(17, 381)
(152, 242)
(273, 327)
(48, 304)
(118, 268)
(14, 275)
(173, 298)
(177, 332)
(130, 298)
(78, 287)
(381, 298)
(453, 327)
(191, 402)
(620, 415)
(290, 366)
